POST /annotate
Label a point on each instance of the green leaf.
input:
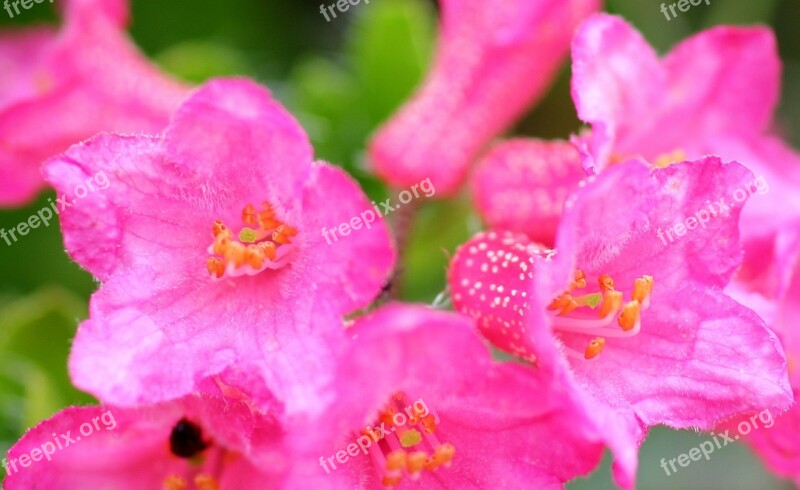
(34, 346)
(392, 43)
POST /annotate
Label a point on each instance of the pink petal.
(434, 357)
(88, 79)
(159, 323)
(492, 63)
(489, 280)
(129, 448)
(355, 265)
(521, 185)
(725, 80)
(616, 84)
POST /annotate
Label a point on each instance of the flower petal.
(521, 185)
(492, 62)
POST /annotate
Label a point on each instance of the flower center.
(186, 441)
(571, 313)
(261, 242)
(404, 441)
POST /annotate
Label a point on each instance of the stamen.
(629, 316)
(642, 288)
(612, 302)
(594, 348)
(262, 242)
(410, 448)
(174, 482)
(206, 482)
(568, 313)
(578, 280)
(249, 214)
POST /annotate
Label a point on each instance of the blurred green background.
(341, 79)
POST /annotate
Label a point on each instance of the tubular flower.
(58, 88)
(521, 185)
(199, 442)
(415, 399)
(494, 59)
(714, 93)
(640, 326)
(207, 241)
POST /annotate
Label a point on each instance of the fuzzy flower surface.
(207, 242)
(493, 60)
(419, 392)
(60, 87)
(200, 441)
(641, 329)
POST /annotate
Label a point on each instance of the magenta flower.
(779, 445)
(494, 59)
(208, 243)
(199, 442)
(521, 185)
(639, 326)
(715, 93)
(418, 403)
(59, 88)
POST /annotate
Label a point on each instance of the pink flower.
(208, 243)
(419, 392)
(493, 61)
(198, 442)
(639, 326)
(779, 445)
(58, 88)
(521, 185)
(715, 93)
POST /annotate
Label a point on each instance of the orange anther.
(396, 460)
(249, 214)
(578, 280)
(429, 423)
(235, 253)
(215, 267)
(269, 249)
(612, 302)
(565, 303)
(443, 454)
(606, 283)
(254, 256)
(391, 481)
(629, 315)
(415, 462)
(206, 482)
(642, 288)
(221, 243)
(174, 482)
(280, 238)
(286, 230)
(218, 227)
(594, 348)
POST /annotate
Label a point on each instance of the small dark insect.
(186, 439)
